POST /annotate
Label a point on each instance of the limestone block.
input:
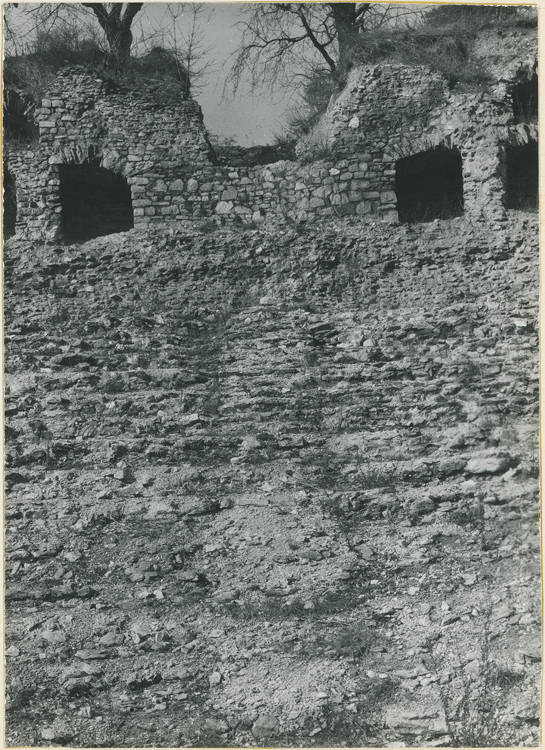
(177, 186)
(192, 185)
(345, 209)
(363, 208)
(388, 196)
(229, 194)
(316, 203)
(224, 207)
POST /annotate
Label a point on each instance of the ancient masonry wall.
(394, 111)
(384, 113)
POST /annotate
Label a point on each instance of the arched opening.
(525, 99)
(94, 202)
(429, 186)
(522, 177)
(10, 204)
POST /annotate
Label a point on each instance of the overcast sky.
(249, 119)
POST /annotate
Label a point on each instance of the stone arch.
(429, 185)
(9, 203)
(94, 201)
(406, 147)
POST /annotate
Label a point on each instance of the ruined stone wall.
(84, 119)
(393, 111)
(283, 189)
(384, 114)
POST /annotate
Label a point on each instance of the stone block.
(345, 209)
(224, 207)
(388, 196)
(192, 185)
(360, 184)
(363, 208)
(230, 194)
(316, 203)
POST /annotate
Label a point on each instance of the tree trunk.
(345, 17)
(117, 27)
(120, 41)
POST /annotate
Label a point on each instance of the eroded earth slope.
(274, 487)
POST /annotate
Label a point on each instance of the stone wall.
(283, 189)
(347, 164)
(393, 111)
(85, 119)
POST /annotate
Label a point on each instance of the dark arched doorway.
(94, 202)
(10, 203)
(429, 185)
(522, 177)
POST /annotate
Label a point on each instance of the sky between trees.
(249, 117)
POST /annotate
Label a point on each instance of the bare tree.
(116, 20)
(283, 40)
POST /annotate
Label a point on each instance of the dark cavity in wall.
(429, 186)
(525, 99)
(94, 202)
(521, 177)
(10, 204)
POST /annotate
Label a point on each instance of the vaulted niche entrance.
(10, 204)
(94, 202)
(521, 177)
(525, 99)
(429, 186)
